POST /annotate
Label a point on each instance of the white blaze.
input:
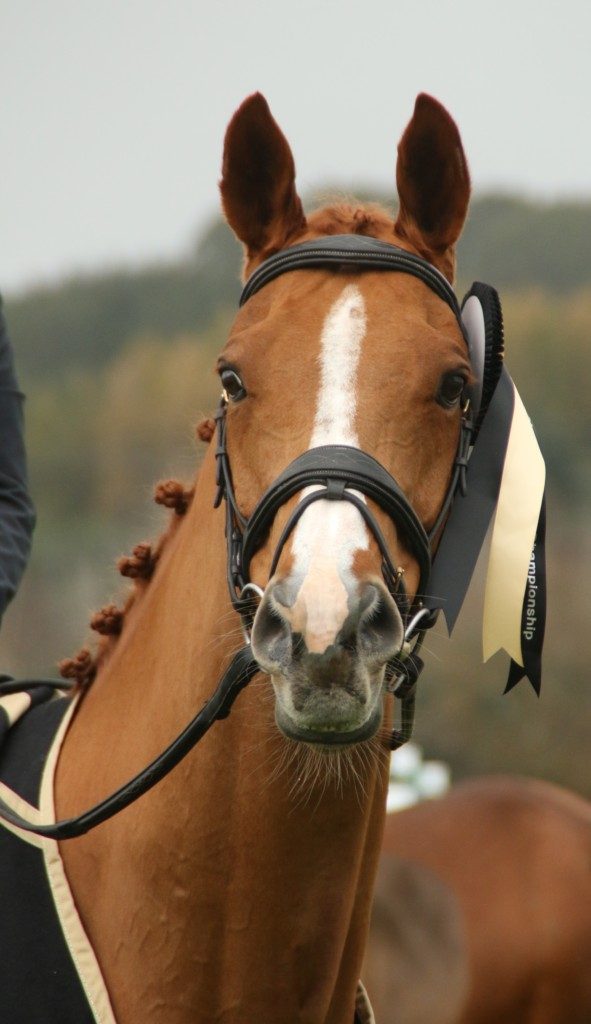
(340, 348)
(329, 532)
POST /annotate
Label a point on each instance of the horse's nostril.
(380, 629)
(298, 646)
(271, 633)
(347, 638)
(271, 626)
(349, 643)
(380, 618)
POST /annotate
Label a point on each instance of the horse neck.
(252, 874)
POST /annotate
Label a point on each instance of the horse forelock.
(349, 216)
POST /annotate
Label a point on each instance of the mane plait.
(82, 668)
(108, 621)
(172, 494)
(205, 430)
(139, 566)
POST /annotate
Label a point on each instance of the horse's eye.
(232, 385)
(451, 389)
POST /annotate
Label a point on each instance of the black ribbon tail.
(470, 516)
(533, 615)
(516, 674)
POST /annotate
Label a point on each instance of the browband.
(333, 251)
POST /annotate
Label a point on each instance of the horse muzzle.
(328, 692)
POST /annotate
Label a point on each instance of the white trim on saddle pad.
(26, 810)
(76, 938)
(363, 1007)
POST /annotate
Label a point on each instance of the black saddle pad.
(39, 983)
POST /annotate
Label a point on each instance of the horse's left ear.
(433, 184)
(258, 180)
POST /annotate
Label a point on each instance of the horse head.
(372, 361)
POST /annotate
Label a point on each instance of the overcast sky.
(113, 112)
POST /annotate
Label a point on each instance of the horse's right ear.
(258, 180)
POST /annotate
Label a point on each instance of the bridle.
(341, 473)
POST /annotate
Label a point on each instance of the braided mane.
(139, 567)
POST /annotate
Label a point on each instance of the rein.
(341, 473)
(239, 672)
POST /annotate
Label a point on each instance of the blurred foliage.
(549, 357)
(119, 367)
(516, 243)
(85, 322)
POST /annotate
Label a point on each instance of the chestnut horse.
(239, 890)
(482, 909)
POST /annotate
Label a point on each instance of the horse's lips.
(328, 737)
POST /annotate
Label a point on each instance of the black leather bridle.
(341, 473)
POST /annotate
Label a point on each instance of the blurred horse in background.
(482, 909)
